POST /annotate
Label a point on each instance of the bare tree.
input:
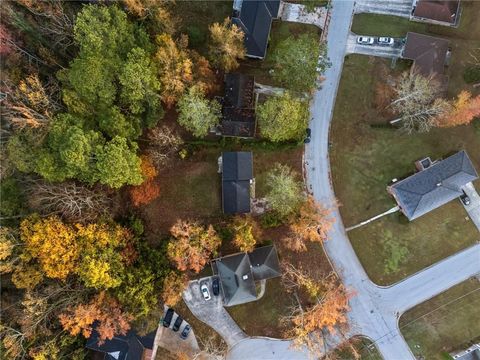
(69, 200)
(417, 102)
(164, 143)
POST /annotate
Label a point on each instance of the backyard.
(366, 156)
(447, 323)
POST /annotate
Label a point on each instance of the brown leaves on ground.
(192, 245)
(313, 223)
(102, 310)
(149, 190)
(463, 110)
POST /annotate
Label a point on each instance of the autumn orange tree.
(173, 286)
(312, 223)
(149, 189)
(192, 245)
(462, 111)
(246, 232)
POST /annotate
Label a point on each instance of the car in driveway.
(465, 198)
(365, 40)
(205, 292)
(216, 286)
(185, 332)
(308, 136)
(177, 323)
(167, 319)
(385, 41)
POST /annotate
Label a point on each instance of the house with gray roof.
(435, 184)
(237, 176)
(472, 353)
(439, 12)
(238, 273)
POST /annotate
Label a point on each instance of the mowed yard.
(447, 323)
(366, 158)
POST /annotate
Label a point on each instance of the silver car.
(365, 40)
(205, 292)
(385, 41)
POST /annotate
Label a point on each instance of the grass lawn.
(449, 322)
(462, 39)
(365, 159)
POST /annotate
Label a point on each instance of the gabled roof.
(237, 171)
(239, 90)
(444, 11)
(238, 273)
(427, 52)
(434, 186)
(122, 347)
(255, 20)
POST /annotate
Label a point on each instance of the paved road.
(393, 51)
(473, 209)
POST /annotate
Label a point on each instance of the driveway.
(212, 312)
(298, 13)
(473, 209)
(393, 51)
(402, 8)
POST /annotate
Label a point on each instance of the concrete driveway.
(402, 8)
(473, 209)
(393, 51)
(212, 312)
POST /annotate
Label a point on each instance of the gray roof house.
(255, 17)
(239, 272)
(440, 12)
(472, 353)
(237, 175)
(435, 184)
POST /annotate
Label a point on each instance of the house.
(437, 12)
(238, 106)
(435, 184)
(472, 353)
(429, 54)
(237, 176)
(238, 273)
(122, 347)
(255, 18)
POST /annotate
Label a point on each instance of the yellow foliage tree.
(246, 233)
(463, 110)
(226, 45)
(173, 286)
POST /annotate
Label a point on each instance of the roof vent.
(245, 277)
(439, 184)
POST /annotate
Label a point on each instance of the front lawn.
(365, 159)
(449, 322)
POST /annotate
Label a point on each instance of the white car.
(385, 41)
(365, 40)
(205, 292)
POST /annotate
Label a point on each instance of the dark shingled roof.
(256, 20)
(444, 11)
(239, 90)
(427, 52)
(237, 171)
(122, 347)
(261, 264)
(435, 186)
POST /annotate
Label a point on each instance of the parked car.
(365, 40)
(205, 292)
(465, 198)
(167, 319)
(385, 41)
(185, 332)
(308, 136)
(216, 286)
(177, 323)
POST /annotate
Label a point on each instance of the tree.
(163, 144)
(226, 45)
(173, 286)
(197, 114)
(192, 245)
(313, 223)
(283, 118)
(417, 102)
(149, 189)
(284, 192)
(463, 110)
(52, 243)
(158, 13)
(246, 232)
(103, 314)
(174, 66)
(298, 61)
(117, 164)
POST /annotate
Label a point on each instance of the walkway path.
(473, 209)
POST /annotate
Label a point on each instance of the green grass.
(462, 39)
(363, 346)
(365, 159)
(449, 322)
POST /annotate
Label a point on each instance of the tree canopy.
(283, 118)
(226, 45)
